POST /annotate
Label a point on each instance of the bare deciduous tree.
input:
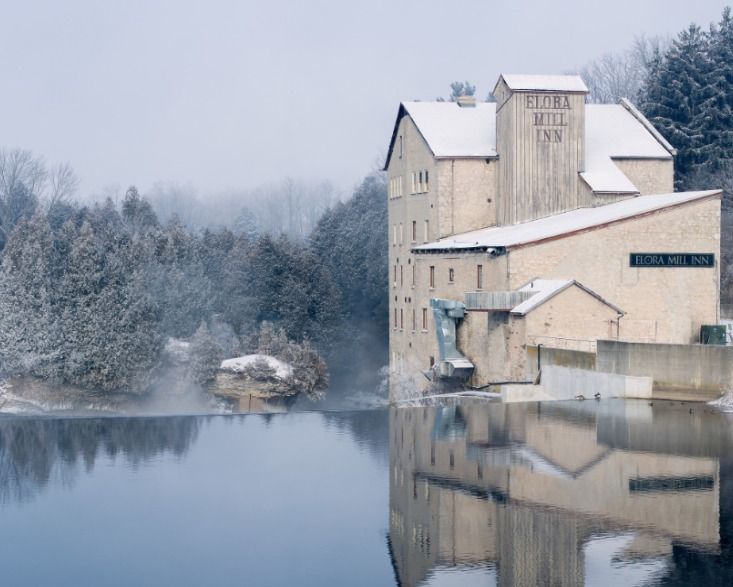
(20, 167)
(621, 75)
(25, 181)
(63, 183)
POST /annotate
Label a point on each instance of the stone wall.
(413, 348)
(661, 304)
(466, 195)
(706, 369)
(572, 320)
(650, 176)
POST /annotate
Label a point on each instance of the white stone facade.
(455, 195)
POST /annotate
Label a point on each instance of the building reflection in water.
(562, 493)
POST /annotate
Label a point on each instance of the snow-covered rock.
(241, 364)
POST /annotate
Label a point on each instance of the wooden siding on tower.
(539, 177)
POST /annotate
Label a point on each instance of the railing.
(496, 300)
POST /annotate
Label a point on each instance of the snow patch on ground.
(238, 364)
(724, 403)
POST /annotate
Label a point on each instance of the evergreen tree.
(235, 297)
(137, 213)
(717, 117)
(461, 89)
(178, 282)
(351, 241)
(18, 204)
(206, 356)
(246, 224)
(111, 338)
(29, 330)
(676, 96)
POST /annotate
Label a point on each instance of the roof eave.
(559, 290)
(449, 157)
(401, 111)
(634, 111)
(710, 195)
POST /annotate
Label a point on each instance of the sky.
(234, 94)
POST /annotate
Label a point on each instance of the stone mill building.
(538, 222)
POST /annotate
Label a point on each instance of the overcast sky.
(236, 93)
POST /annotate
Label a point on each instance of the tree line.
(90, 293)
(684, 86)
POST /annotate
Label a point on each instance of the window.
(414, 231)
(395, 317)
(401, 276)
(427, 232)
(402, 322)
(425, 325)
(419, 183)
(412, 185)
(426, 180)
(400, 146)
(451, 275)
(395, 187)
(479, 276)
(432, 276)
(394, 274)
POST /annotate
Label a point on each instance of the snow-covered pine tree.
(206, 356)
(676, 95)
(177, 279)
(29, 330)
(246, 224)
(137, 213)
(110, 327)
(717, 111)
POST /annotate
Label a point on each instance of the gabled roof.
(451, 131)
(543, 83)
(547, 289)
(562, 225)
(612, 131)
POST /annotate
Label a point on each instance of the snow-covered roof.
(558, 83)
(454, 131)
(612, 131)
(562, 224)
(549, 288)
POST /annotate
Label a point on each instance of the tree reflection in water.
(37, 451)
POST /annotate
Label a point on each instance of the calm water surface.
(568, 493)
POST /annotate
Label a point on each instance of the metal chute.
(451, 363)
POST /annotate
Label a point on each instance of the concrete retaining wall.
(706, 369)
(563, 383)
(567, 383)
(559, 357)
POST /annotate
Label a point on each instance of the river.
(468, 493)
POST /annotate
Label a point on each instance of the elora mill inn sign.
(672, 260)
